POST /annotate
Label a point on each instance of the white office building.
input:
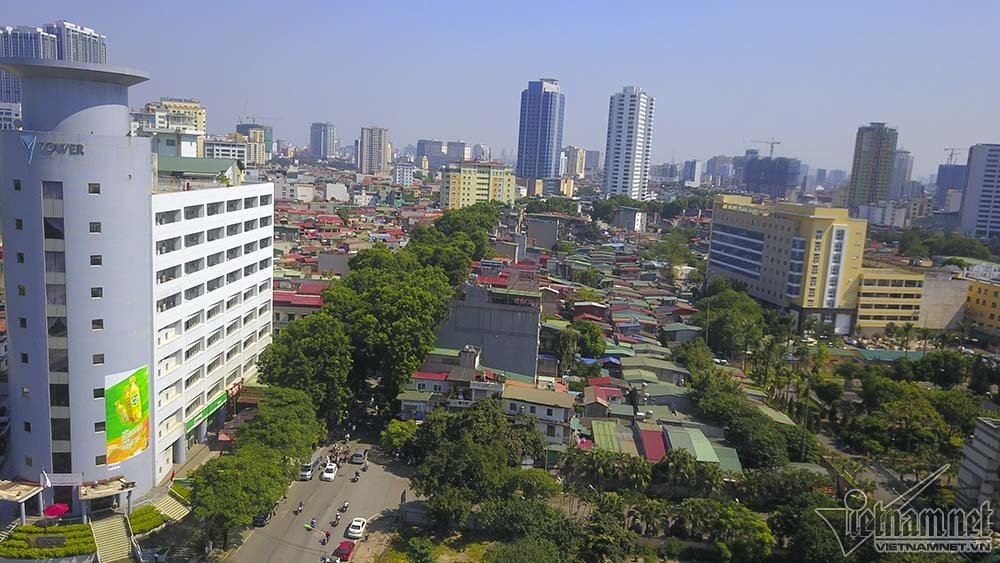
(402, 174)
(630, 138)
(980, 213)
(691, 173)
(137, 301)
(226, 148)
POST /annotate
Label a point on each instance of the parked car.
(344, 551)
(329, 472)
(306, 469)
(357, 528)
(359, 456)
(263, 518)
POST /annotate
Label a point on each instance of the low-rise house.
(553, 409)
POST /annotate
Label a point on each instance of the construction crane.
(772, 142)
(952, 151)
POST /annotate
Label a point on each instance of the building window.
(98, 359)
(20, 258)
(99, 426)
(548, 412)
(27, 460)
(96, 292)
(93, 189)
(60, 429)
(101, 460)
(24, 358)
(20, 290)
(96, 259)
(95, 227)
(99, 393)
(97, 324)
(27, 427)
(19, 224)
(22, 322)
(17, 185)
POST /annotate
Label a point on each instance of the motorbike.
(299, 509)
(364, 467)
(345, 506)
(355, 479)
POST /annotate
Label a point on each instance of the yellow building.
(982, 308)
(469, 182)
(889, 296)
(256, 148)
(804, 259)
(190, 108)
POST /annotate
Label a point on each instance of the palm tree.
(904, 333)
(925, 335)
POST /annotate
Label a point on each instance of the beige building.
(804, 259)
(186, 107)
(469, 182)
(374, 150)
(576, 159)
(256, 148)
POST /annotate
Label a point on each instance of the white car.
(329, 472)
(357, 528)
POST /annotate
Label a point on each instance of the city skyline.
(817, 94)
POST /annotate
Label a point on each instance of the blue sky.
(723, 73)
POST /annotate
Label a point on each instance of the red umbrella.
(56, 510)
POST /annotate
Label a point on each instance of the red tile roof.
(313, 287)
(291, 299)
(608, 392)
(429, 375)
(653, 446)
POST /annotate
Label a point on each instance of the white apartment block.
(402, 174)
(224, 148)
(979, 471)
(114, 272)
(980, 211)
(630, 138)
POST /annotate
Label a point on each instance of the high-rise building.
(949, 177)
(576, 161)
(719, 169)
(630, 138)
(135, 319)
(592, 165)
(322, 136)
(821, 246)
(374, 150)
(979, 470)
(980, 214)
(457, 151)
(740, 164)
(836, 178)
(472, 181)
(433, 150)
(871, 169)
(539, 137)
(772, 176)
(78, 43)
(692, 171)
(233, 147)
(256, 148)
(902, 170)
(268, 135)
(23, 42)
(402, 174)
(10, 116)
(481, 152)
(174, 115)
(821, 176)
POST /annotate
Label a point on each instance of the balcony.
(168, 245)
(167, 217)
(168, 303)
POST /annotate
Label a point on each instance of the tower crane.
(952, 151)
(771, 142)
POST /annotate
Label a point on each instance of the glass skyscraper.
(539, 138)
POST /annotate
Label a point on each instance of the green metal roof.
(605, 436)
(729, 460)
(678, 327)
(692, 440)
(514, 292)
(889, 355)
(639, 374)
(666, 389)
(776, 416)
(621, 410)
(450, 352)
(412, 395)
(556, 324)
(193, 165)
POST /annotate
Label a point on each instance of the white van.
(307, 469)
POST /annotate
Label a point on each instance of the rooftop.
(539, 397)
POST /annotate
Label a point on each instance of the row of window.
(207, 210)
(173, 244)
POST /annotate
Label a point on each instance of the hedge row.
(60, 530)
(146, 518)
(183, 491)
(79, 541)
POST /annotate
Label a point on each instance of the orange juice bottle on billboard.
(134, 401)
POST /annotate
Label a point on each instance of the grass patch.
(145, 519)
(453, 549)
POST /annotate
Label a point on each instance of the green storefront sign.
(211, 407)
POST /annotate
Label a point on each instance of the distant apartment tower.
(949, 177)
(433, 150)
(457, 151)
(267, 133)
(402, 174)
(61, 40)
(576, 161)
(10, 116)
(692, 171)
(902, 170)
(373, 150)
(481, 152)
(772, 176)
(821, 176)
(592, 163)
(232, 147)
(871, 169)
(821, 248)
(469, 182)
(322, 137)
(979, 470)
(541, 128)
(980, 214)
(185, 114)
(78, 43)
(630, 137)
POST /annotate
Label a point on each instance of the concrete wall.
(943, 301)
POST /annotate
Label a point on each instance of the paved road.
(285, 539)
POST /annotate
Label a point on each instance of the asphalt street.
(285, 538)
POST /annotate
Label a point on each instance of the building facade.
(10, 116)
(593, 165)
(902, 171)
(576, 162)
(374, 150)
(872, 166)
(481, 152)
(402, 173)
(233, 147)
(980, 213)
(692, 172)
(137, 298)
(23, 42)
(321, 140)
(775, 177)
(630, 139)
(949, 177)
(257, 154)
(803, 259)
(540, 132)
(470, 182)
(267, 133)
(979, 470)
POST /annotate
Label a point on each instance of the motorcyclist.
(312, 523)
(300, 507)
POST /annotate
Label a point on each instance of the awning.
(18, 491)
(107, 488)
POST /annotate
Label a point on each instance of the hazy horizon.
(722, 74)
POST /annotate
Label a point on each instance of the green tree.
(982, 375)
(528, 549)
(944, 368)
(532, 484)
(732, 321)
(759, 442)
(313, 354)
(420, 550)
(591, 342)
(286, 423)
(695, 355)
(809, 537)
(449, 508)
(830, 392)
(590, 277)
(566, 349)
(476, 221)
(398, 435)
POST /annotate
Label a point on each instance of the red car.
(344, 551)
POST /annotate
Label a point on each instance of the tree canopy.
(590, 340)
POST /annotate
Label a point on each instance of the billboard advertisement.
(126, 414)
